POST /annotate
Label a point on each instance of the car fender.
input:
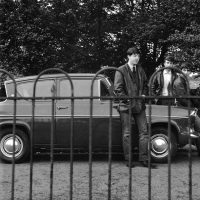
(165, 122)
(19, 124)
(179, 129)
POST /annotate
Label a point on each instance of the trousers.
(141, 122)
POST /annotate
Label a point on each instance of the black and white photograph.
(99, 100)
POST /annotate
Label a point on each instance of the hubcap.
(159, 146)
(6, 145)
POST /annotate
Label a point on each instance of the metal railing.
(91, 98)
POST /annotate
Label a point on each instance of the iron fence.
(111, 98)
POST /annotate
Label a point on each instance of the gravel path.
(119, 184)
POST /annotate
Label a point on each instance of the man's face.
(168, 63)
(186, 71)
(134, 59)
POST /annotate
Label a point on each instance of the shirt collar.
(166, 71)
(132, 67)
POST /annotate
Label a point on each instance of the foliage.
(82, 35)
(35, 37)
(187, 45)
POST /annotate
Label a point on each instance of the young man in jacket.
(132, 82)
(169, 82)
(163, 81)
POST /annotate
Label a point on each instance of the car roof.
(60, 75)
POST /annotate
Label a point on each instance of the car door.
(81, 112)
(100, 120)
(105, 115)
(43, 108)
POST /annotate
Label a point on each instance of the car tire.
(6, 145)
(198, 146)
(160, 144)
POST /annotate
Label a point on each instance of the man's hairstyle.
(133, 50)
(185, 65)
(170, 58)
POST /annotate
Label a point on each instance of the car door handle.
(62, 107)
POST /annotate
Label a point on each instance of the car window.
(2, 92)
(81, 88)
(43, 88)
(104, 91)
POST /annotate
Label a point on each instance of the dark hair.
(170, 58)
(133, 50)
(185, 65)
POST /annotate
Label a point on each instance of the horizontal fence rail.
(72, 99)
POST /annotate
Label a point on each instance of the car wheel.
(160, 145)
(6, 145)
(198, 146)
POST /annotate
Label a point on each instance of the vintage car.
(57, 87)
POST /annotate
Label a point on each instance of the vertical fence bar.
(109, 136)
(169, 150)
(149, 149)
(189, 138)
(71, 141)
(190, 145)
(190, 156)
(52, 141)
(110, 151)
(14, 136)
(130, 151)
(169, 132)
(31, 147)
(149, 133)
(13, 132)
(90, 142)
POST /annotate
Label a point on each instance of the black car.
(57, 86)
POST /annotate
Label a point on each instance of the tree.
(187, 45)
(82, 35)
(35, 37)
(149, 24)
